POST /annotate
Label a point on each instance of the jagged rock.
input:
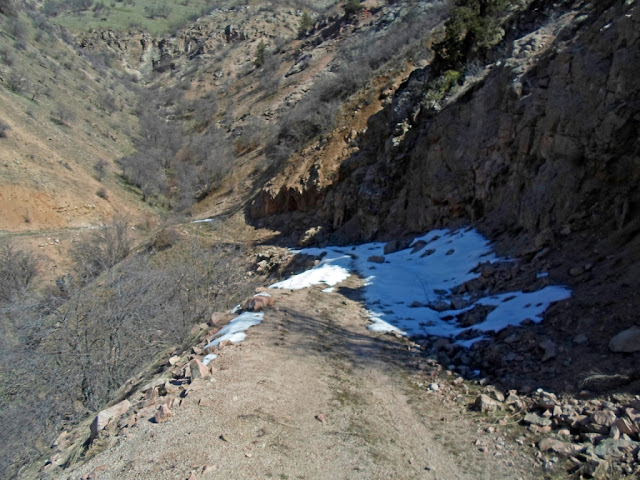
(198, 370)
(557, 446)
(301, 65)
(550, 349)
(418, 245)
(170, 388)
(486, 404)
(611, 448)
(376, 259)
(604, 417)
(162, 414)
(534, 419)
(626, 426)
(259, 302)
(106, 416)
(547, 401)
(495, 394)
(396, 245)
(514, 400)
(173, 360)
(440, 306)
(627, 341)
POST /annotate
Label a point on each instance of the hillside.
(487, 149)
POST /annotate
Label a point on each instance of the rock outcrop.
(547, 141)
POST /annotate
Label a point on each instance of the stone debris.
(107, 416)
(162, 414)
(486, 404)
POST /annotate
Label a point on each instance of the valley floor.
(312, 393)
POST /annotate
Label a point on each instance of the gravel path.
(310, 394)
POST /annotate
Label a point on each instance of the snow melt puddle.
(401, 291)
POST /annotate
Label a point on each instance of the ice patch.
(401, 294)
(204, 220)
(328, 290)
(331, 270)
(380, 326)
(235, 330)
(207, 360)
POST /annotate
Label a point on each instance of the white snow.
(333, 269)
(425, 277)
(235, 330)
(204, 220)
(207, 360)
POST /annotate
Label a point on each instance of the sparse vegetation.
(471, 30)
(62, 115)
(17, 271)
(4, 128)
(154, 16)
(94, 335)
(173, 167)
(351, 7)
(260, 54)
(100, 169)
(306, 23)
(8, 7)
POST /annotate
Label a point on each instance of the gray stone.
(486, 404)
(107, 415)
(627, 341)
(534, 419)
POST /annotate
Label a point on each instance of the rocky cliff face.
(546, 142)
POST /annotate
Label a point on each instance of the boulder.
(534, 419)
(604, 417)
(627, 341)
(557, 446)
(106, 416)
(198, 369)
(259, 302)
(486, 404)
(396, 245)
(418, 245)
(162, 414)
(376, 259)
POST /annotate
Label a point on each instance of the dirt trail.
(312, 358)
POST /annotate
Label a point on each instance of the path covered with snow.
(402, 289)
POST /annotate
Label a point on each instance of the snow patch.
(400, 291)
(235, 330)
(207, 360)
(331, 270)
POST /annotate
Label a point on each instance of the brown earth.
(312, 394)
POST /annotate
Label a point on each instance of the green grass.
(123, 17)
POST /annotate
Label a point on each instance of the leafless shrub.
(16, 81)
(62, 115)
(17, 271)
(100, 169)
(4, 128)
(103, 249)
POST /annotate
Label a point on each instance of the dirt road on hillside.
(311, 394)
